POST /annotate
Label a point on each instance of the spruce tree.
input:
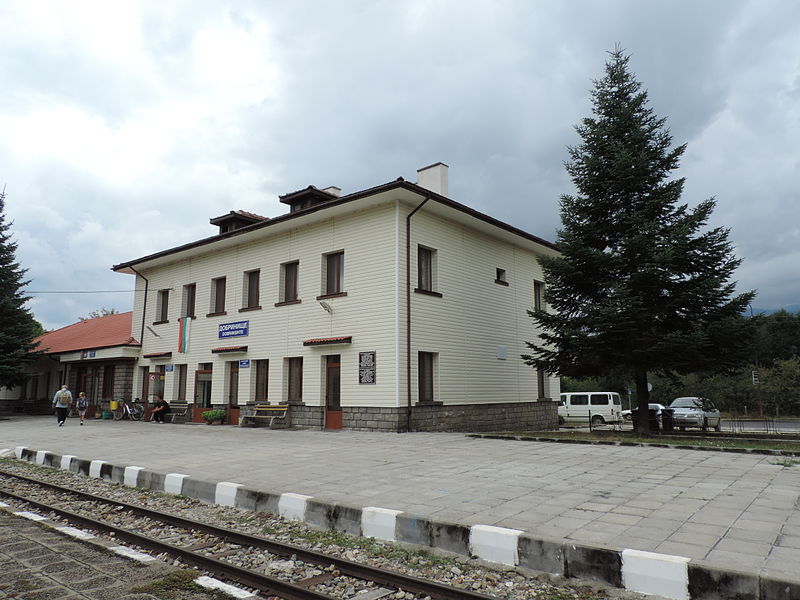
(17, 325)
(642, 284)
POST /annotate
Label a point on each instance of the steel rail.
(350, 568)
(221, 569)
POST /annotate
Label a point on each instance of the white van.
(600, 407)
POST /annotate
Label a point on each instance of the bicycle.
(128, 410)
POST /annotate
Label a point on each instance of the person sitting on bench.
(160, 410)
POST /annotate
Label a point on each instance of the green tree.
(641, 284)
(17, 325)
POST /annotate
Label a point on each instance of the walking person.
(82, 404)
(61, 402)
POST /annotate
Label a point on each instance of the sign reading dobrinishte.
(238, 329)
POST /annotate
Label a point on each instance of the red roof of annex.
(102, 332)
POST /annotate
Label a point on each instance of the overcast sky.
(125, 126)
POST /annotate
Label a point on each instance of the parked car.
(601, 407)
(627, 414)
(692, 411)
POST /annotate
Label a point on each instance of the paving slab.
(695, 504)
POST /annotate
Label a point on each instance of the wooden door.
(333, 406)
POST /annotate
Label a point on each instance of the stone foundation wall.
(508, 416)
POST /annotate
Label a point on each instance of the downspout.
(408, 311)
(144, 305)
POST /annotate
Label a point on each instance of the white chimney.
(434, 178)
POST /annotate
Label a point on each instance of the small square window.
(500, 277)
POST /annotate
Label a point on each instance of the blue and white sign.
(238, 329)
(244, 363)
(169, 368)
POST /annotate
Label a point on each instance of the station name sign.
(237, 329)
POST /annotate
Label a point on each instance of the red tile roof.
(345, 339)
(229, 349)
(102, 332)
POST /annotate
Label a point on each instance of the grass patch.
(174, 584)
(628, 438)
(786, 462)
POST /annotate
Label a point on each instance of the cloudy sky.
(125, 126)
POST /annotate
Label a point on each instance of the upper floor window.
(289, 281)
(188, 302)
(426, 270)
(500, 277)
(218, 295)
(333, 273)
(162, 306)
(251, 293)
(538, 295)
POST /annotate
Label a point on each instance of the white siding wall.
(367, 313)
(475, 315)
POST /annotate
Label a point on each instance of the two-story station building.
(393, 308)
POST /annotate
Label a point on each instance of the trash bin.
(107, 414)
(652, 416)
(667, 420)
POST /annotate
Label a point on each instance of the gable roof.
(102, 332)
(398, 184)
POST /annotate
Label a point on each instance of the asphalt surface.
(735, 511)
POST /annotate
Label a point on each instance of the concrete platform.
(731, 515)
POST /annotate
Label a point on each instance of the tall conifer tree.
(17, 325)
(642, 284)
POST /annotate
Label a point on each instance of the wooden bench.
(262, 412)
(179, 410)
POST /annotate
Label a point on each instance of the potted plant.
(214, 417)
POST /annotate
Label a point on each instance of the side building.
(393, 308)
(96, 356)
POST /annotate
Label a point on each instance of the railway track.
(303, 574)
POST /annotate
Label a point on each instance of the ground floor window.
(541, 379)
(180, 396)
(295, 379)
(262, 380)
(426, 369)
(233, 383)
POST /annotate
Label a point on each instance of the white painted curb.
(225, 493)
(495, 544)
(40, 456)
(30, 515)
(173, 483)
(379, 523)
(18, 451)
(215, 584)
(66, 461)
(94, 468)
(293, 506)
(131, 476)
(76, 533)
(652, 573)
(131, 553)
(6, 452)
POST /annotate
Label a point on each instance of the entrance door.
(333, 407)
(202, 393)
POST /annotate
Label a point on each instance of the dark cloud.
(125, 133)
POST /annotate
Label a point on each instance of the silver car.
(692, 411)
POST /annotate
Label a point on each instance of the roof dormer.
(236, 219)
(311, 196)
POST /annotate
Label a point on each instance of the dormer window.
(236, 219)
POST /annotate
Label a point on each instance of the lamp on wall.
(326, 306)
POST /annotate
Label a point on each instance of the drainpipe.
(144, 306)
(408, 311)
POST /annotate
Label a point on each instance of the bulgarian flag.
(185, 324)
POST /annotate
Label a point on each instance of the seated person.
(160, 410)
